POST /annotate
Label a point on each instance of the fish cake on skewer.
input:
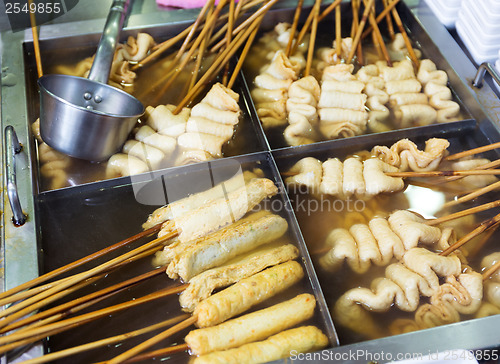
(263, 323)
(201, 286)
(300, 340)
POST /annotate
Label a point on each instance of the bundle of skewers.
(313, 94)
(230, 259)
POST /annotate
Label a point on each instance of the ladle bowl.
(83, 118)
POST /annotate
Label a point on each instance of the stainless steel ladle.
(86, 118)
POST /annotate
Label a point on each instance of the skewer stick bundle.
(223, 57)
(463, 213)
(69, 305)
(312, 40)
(357, 38)
(48, 276)
(293, 29)
(472, 172)
(71, 322)
(104, 342)
(472, 195)
(381, 16)
(407, 40)
(7, 313)
(489, 165)
(485, 225)
(378, 36)
(230, 302)
(474, 151)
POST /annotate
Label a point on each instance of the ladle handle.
(483, 68)
(107, 45)
(13, 147)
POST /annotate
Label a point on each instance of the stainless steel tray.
(114, 212)
(102, 219)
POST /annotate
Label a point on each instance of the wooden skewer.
(407, 40)
(76, 302)
(293, 29)
(304, 30)
(158, 353)
(228, 41)
(154, 340)
(79, 262)
(472, 195)
(33, 339)
(162, 48)
(71, 311)
(355, 17)
(390, 26)
(356, 40)
(308, 22)
(31, 308)
(378, 35)
(490, 271)
(485, 225)
(381, 16)
(36, 44)
(201, 51)
(359, 51)
(208, 74)
(81, 277)
(312, 40)
(376, 43)
(469, 152)
(208, 5)
(471, 172)
(338, 32)
(91, 316)
(328, 10)
(104, 342)
(484, 239)
(34, 291)
(242, 57)
(31, 292)
(489, 165)
(463, 213)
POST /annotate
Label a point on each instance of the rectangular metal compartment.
(462, 135)
(105, 223)
(82, 220)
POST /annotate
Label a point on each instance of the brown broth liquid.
(330, 213)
